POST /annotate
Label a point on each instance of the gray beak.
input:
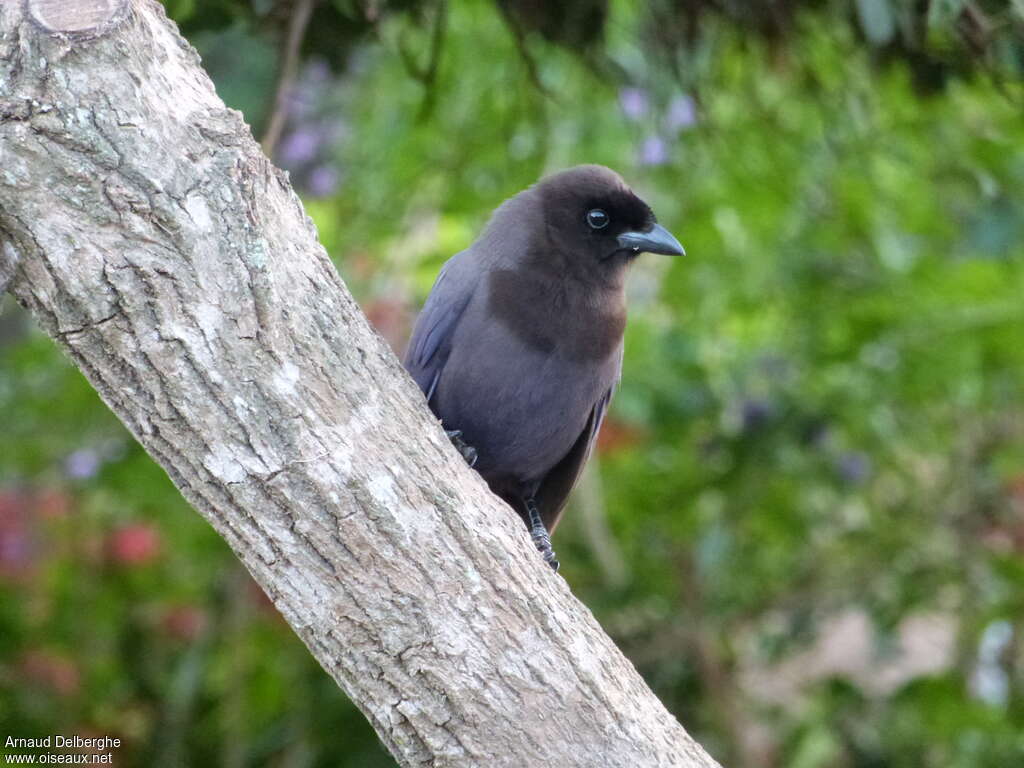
(657, 239)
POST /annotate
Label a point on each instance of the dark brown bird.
(519, 346)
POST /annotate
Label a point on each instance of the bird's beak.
(657, 239)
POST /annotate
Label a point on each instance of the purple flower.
(299, 147)
(317, 71)
(82, 464)
(653, 151)
(323, 181)
(300, 102)
(634, 102)
(15, 549)
(682, 114)
(854, 467)
(755, 414)
(307, 93)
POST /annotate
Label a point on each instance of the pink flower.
(184, 622)
(134, 544)
(51, 670)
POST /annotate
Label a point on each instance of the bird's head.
(593, 217)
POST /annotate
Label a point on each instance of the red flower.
(51, 670)
(134, 544)
(51, 503)
(390, 318)
(184, 622)
(616, 436)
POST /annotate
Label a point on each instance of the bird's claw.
(467, 451)
(539, 534)
(542, 541)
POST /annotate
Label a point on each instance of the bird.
(518, 348)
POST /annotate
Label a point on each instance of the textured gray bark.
(153, 241)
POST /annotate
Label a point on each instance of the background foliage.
(805, 525)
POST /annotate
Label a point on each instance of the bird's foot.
(541, 537)
(467, 451)
(542, 541)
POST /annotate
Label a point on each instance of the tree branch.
(177, 269)
(301, 14)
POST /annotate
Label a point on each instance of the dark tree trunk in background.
(150, 237)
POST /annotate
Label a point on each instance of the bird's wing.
(431, 338)
(554, 490)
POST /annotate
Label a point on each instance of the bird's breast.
(528, 363)
(574, 321)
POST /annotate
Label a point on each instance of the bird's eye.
(597, 219)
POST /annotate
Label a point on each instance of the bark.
(153, 241)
